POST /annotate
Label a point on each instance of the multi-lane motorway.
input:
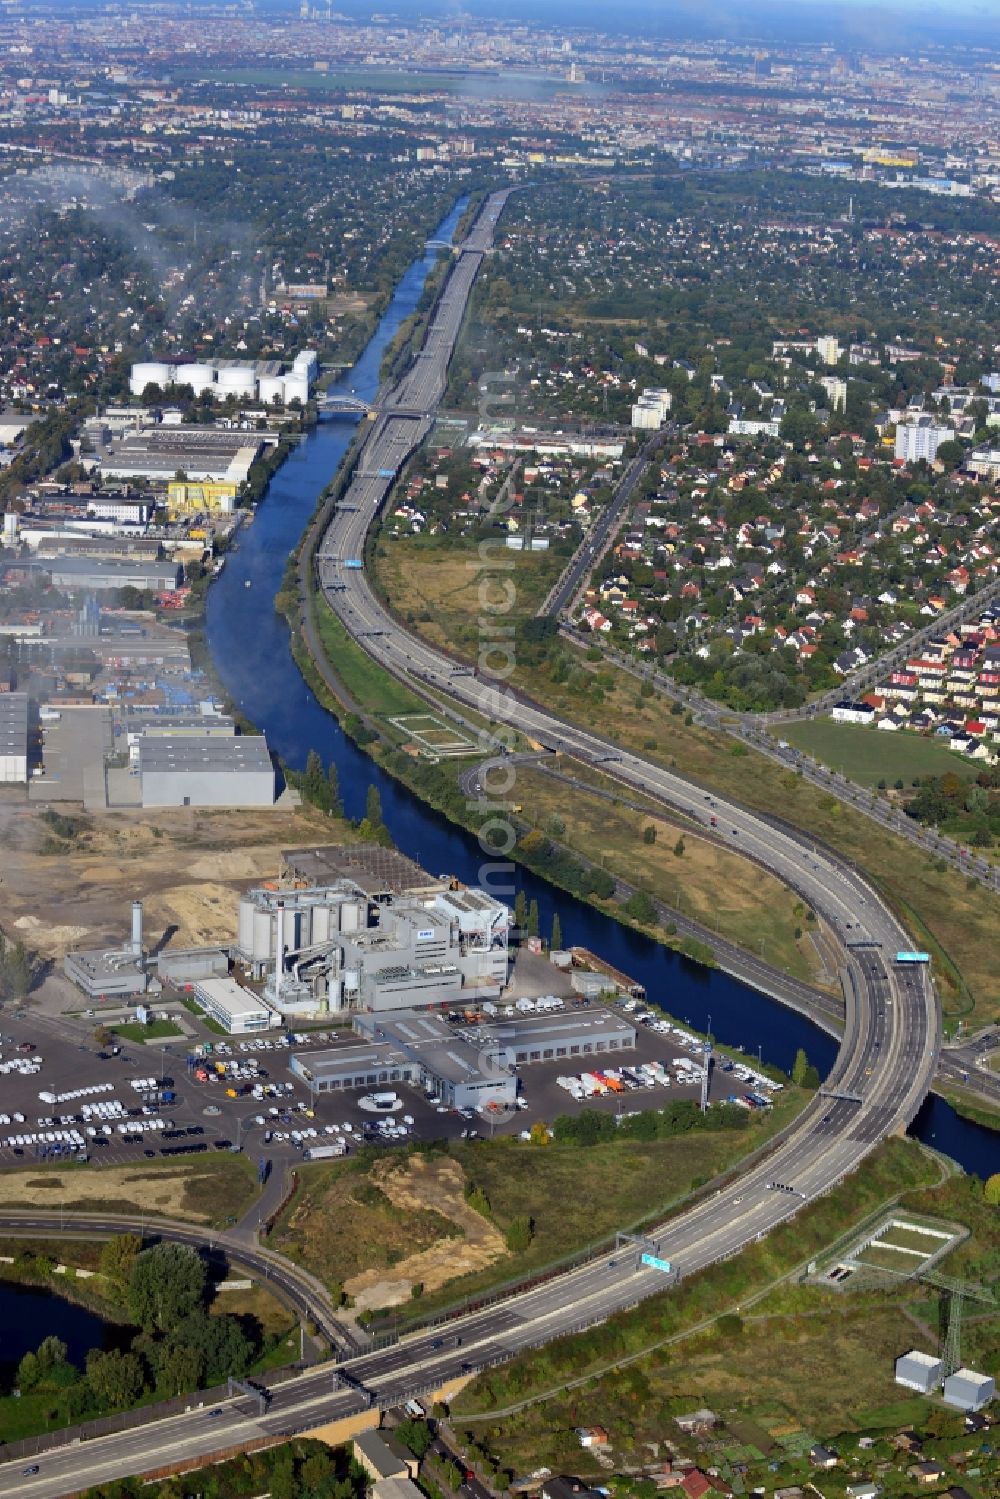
(883, 1069)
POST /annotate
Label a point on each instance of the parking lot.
(64, 1098)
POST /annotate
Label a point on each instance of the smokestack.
(279, 953)
(137, 928)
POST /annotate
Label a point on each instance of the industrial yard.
(70, 884)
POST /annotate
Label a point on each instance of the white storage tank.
(245, 926)
(307, 362)
(200, 377)
(271, 388)
(296, 386)
(263, 943)
(320, 924)
(154, 373)
(237, 380)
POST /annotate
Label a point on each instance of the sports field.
(868, 755)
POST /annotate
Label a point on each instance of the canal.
(249, 643)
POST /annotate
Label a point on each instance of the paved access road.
(886, 1060)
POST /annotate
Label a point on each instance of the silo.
(152, 373)
(246, 926)
(237, 380)
(261, 936)
(270, 387)
(296, 386)
(307, 363)
(320, 924)
(200, 377)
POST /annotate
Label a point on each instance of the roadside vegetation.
(543, 1201)
(726, 1342)
(302, 1469)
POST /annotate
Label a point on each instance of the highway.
(883, 1069)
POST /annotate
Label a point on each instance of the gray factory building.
(176, 771)
(465, 1068)
(342, 949)
(919, 1371)
(967, 1390)
(95, 573)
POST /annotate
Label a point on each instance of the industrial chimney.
(279, 951)
(137, 928)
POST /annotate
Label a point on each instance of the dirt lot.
(188, 865)
(205, 1191)
(437, 1185)
(397, 1223)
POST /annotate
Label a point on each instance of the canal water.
(250, 648)
(28, 1315)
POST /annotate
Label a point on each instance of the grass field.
(155, 1030)
(574, 1197)
(213, 1189)
(435, 582)
(712, 884)
(868, 756)
(374, 691)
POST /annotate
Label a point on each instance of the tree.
(556, 942)
(373, 807)
(649, 833)
(520, 911)
(679, 847)
(179, 1368)
(115, 1378)
(118, 1255)
(336, 806)
(416, 1435)
(166, 1284)
(50, 1353)
(991, 1192)
(533, 922)
(799, 1068)
(102, 1036)
(28, 1373)
(520, 1233)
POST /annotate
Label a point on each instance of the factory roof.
(118, 568)
(446, 1053)
(239, 755)
(230, 996)
(349, 1060)
(13, 723)
(375, 870)
(544, 1030)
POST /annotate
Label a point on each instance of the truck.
(325, 1152)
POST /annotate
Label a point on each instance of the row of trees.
(676, 1118)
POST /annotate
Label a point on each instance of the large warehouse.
(13, 737)
(177, 771)
(464, 1068)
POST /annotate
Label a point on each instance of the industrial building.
(201, 454)
(97, 574)
(968, 1391)
(204, 770)
(263, 380)
(111, 972)
(13, 737)
(342, 949)
(465, 1068)
(919, 1371)
(239, 1011)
